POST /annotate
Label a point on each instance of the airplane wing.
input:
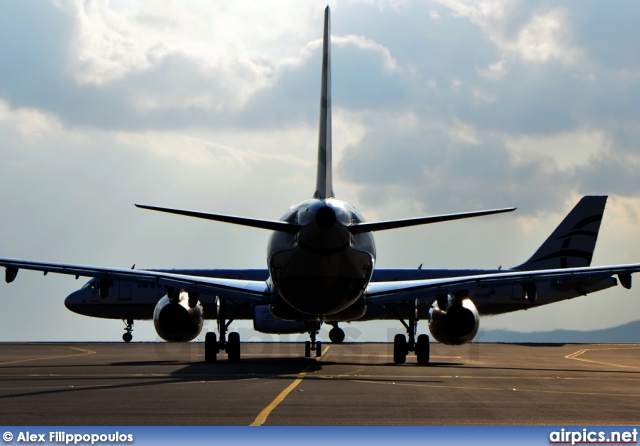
(252, 291)
(381, 293)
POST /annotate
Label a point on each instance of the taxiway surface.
(350, 384)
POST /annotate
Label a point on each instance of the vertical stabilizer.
(572, 244)
(324, 178)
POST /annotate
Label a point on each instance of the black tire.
(210, 347)
(400, 349)
(307, 349)
(233, 347)
(422, 349)
(127, 337)
(318, 348)
(336, 335)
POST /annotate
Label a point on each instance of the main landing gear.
(212, 346)
(402, 346)
(127, 337)
(231, 343)
(313, 345)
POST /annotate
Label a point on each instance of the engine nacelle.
(265, 322)
(457, 324)
(175, 320)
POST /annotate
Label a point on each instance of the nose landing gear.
(313, 345)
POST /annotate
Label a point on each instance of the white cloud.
(543, 37)
(564, 150)
(463, 132)
(107, 45)
(494, 71)
(231, 49)
(113, 41)
(364, 44)
(32, 127)
(482, 96)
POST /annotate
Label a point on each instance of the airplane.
(321, 269)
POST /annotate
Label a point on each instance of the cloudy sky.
(439, 106)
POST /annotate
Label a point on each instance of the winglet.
(324, 178)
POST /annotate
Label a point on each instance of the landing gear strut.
(401, 347)
(313, 345)
(127, 337)
(212, 346)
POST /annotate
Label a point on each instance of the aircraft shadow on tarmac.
(142, 374)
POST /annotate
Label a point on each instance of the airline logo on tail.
(572, 244)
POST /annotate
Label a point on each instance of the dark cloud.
(431, 168)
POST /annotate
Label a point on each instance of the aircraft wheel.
(233, 347)
(210, 347)
(307, 349)
(336, 335)
(127, 337)
(318, 348)
(399, 349)
(422, 349)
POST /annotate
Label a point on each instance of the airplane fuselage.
(323, 269)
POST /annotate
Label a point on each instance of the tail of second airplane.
(572, 243)
(324, 178)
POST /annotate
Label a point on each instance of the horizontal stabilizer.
(393, 224)
(272, 225)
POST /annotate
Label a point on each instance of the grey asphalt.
(350, 384)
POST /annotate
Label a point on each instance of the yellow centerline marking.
(324, 354)
(83, 351)
(262, 416)
(575, 355)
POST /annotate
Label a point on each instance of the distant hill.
(629, 332)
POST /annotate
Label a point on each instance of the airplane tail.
(324, 178)
(572, 243)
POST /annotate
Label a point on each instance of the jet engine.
(454, 320)
(177, 317)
